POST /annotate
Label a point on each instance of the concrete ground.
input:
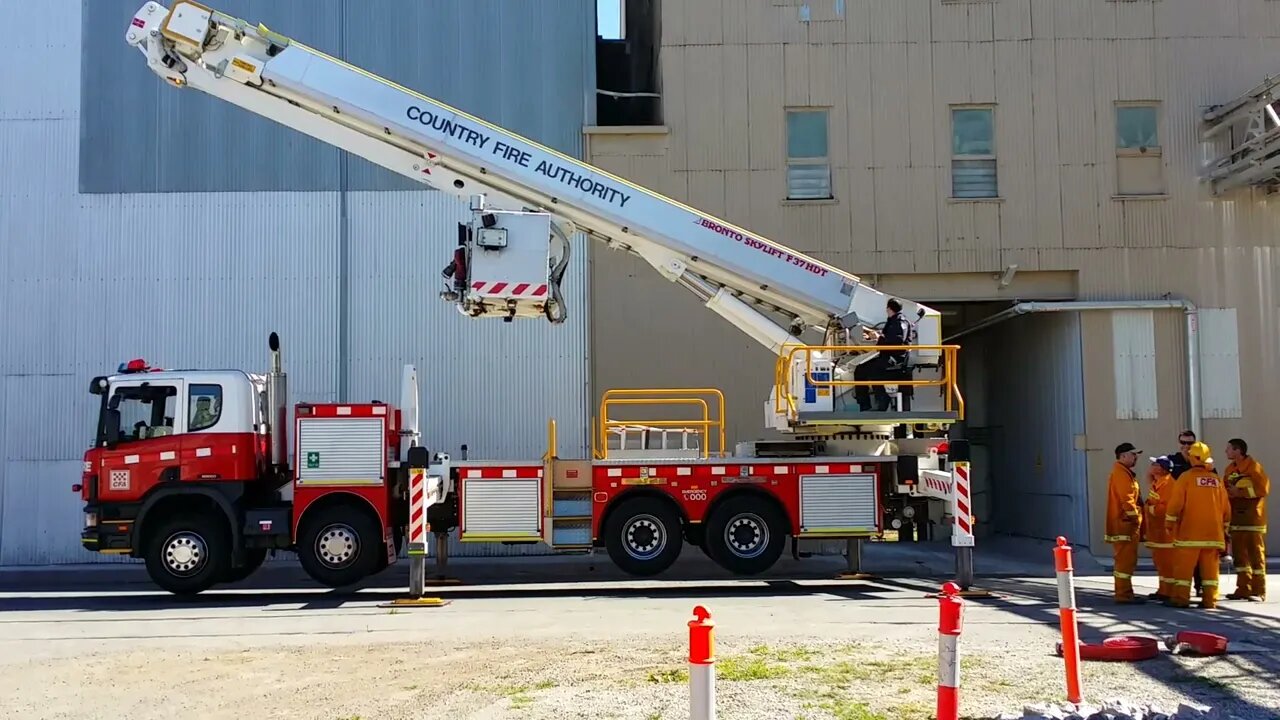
(574, 638)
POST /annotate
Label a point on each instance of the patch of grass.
(739, 669)
(669, 675)
(783, 654)
(512, 691)
(843, 707)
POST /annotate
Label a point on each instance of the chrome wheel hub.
(746, 535)
(644, 537)
(337, 545)
(185, 553)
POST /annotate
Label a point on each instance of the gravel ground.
(758, 679)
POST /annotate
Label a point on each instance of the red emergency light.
(136, 365)
(942, 448)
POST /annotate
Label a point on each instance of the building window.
(1139, 165)
(973, 153)
(808, 164)
(205, 406)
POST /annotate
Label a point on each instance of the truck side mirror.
(111, 428)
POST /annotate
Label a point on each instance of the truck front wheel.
(339, 545)
(188, 554)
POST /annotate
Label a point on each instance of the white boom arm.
(739, 275)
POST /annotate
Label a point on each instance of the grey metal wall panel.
(42, 518)
(41, 77)
(1034, 410)
(139, 134)
(524, 65)
(527, 66)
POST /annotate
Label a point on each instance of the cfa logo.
(1207, 482)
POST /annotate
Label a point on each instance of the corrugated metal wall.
(528, 66)
(349, 279)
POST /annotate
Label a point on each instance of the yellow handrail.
(785, 402)
(550, 454)
(646, 396)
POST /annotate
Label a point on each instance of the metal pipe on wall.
(1191, 315)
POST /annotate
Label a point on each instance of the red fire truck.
(195, 470)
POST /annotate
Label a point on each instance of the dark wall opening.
(627, 77)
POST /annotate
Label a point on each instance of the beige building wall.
(888, 72)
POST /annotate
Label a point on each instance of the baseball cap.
(1123, 448)
(1163, 461)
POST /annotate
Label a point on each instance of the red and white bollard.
(1067, 618)
(950, 623)
(702, 665)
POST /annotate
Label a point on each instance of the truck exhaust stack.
(277, 402)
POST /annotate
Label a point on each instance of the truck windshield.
(145, 412)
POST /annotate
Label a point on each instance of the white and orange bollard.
(702, 665)
(950, 623)
(1067, 618)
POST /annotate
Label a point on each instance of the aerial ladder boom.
(527, 199)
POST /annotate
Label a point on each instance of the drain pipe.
(1189, 311)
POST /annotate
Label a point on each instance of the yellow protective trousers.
(1126, 559)
(1249, 550)
(1185, 562)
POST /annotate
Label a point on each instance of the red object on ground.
(1124, 648)
(1202, 643)
(702, 642)
(950, 625)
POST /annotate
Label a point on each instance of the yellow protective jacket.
(1157, 534)
(1124, 516)
(1249, 513)
(1198, 511)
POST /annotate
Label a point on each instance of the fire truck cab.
(186, 474)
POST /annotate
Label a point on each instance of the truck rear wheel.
(643, 535)
(339, 545)
(188, 554)
(746, 534)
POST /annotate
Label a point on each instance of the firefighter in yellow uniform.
(1248, 487)
(1197, 517)
(1159, 474)
(1124, 521)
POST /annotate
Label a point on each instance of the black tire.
(188, 553)
(643, 535)
(253, 559)
(339, 545)
(746, 534)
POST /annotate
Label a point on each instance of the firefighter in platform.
(1160, 477)
(1247, 487)
(887, 364)
(1197, 517)
(1124, 520)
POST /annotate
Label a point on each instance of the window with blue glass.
(973, 153)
